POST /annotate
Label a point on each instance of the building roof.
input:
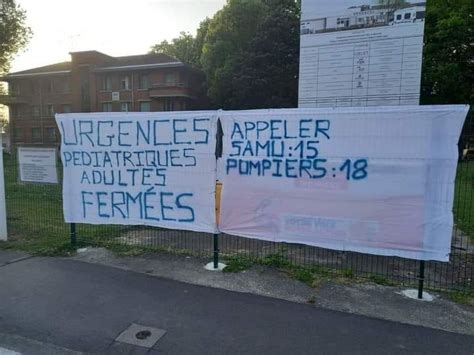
(143, 61)
(108, 63)
(47, 69)
(154, 58)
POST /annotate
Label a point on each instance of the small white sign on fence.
(37, 165)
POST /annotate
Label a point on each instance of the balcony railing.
(13, 99)
(169, 89)
(172, 84)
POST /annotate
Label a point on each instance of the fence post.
(3, 207)
(216, 251)
(421, 279)
(73, 234)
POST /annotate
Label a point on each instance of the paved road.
(84, 307)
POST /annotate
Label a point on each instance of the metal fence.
(35, 223)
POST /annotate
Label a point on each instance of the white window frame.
(50, 110)
(128, 106)
(125, 79)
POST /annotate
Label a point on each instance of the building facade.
(95, 82)
(363, 16)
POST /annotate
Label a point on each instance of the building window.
(143, 82)
(36, 134)
(14, 111)
(170, 79)
(126, 106)
(106, 83)
(35, 110)
(51, 134)
(65, 85)
(14, 88)
(106, 107)
(50, 110)
(18, 134)
(35, 87)
(169, 105)
(23, 112)
(144, 106)
(49, 86)
(67, 108)
(125, 82)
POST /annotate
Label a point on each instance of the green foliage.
(311, 276)
(229, 35)
(265, 74)
(348, 273)
(35, 219)
(237, 264)
(464, 198)
(448, 58)
(304, 275)
(249, 52)
(380, 280)
(182, 48)
(14, 34)
(466, 298)
(276, 260)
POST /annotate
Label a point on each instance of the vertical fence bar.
(421, 279)
(73, 235)
(216, 251)
(3, 206)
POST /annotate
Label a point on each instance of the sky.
(115, 27)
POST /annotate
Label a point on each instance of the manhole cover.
(140, 335)
(143, 334)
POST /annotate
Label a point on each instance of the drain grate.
(141, 335)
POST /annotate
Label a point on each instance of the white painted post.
(3, 207)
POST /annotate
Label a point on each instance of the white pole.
(3, 208)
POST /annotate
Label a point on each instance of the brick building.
(95, 82)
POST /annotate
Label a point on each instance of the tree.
(448, 57)
(14, 34)
(229, 34)
(266, 74)
(251, 53)
(3, 120)
(182, 48)
(248, 51)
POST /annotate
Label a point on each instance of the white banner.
(154, 169)
(370, 180)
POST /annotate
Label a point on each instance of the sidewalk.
(84, 307)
